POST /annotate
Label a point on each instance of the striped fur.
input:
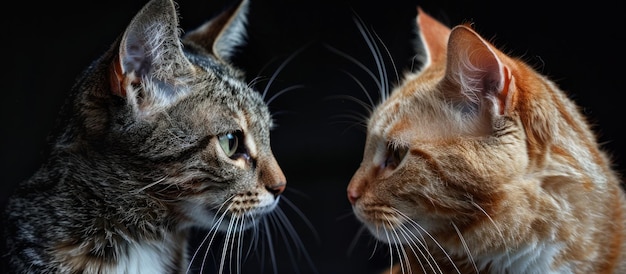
(479, 164)
(160, 134)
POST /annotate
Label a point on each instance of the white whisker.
(415, 244)
(403, 258)
(270, 246)
(497, 229)
(269, 101)
(355, 240)
(367, 107)
(382, 72)
(469, 254)
(419, 227)
(210, 235)
(279, 69)
(358, 63)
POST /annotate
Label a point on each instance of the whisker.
(210, 234)
(256, 79)
(418, 226)
(369, 107)
(361, 103)
(149, 186)
(239, 250)
(393, 64)
(302, 216)
(355, 239)
(382, 72)
(415, 244)
(280, 68)
(497, 229)
(225, 248)
(358, 63)
(270, 246)
(465, 246)
(391, 246)
(403, 258)
(269, 101)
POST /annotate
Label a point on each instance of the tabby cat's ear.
(149, 58)
(477, 70)
(222, 35)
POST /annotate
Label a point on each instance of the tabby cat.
(477, 163)
(160, 134)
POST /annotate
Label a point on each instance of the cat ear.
(223, 34)
(476, 69)
(149, 56)
(434, 36)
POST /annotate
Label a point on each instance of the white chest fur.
(148, 258)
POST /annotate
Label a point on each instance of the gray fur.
(129, 162)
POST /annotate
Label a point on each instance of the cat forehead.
(210, 64)
(415, 111)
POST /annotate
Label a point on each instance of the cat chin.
(389, 235)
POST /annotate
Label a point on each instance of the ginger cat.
(477, 163)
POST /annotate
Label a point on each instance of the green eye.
(229, 143)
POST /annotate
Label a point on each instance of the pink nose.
(353, 195)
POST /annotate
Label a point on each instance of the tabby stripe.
(185, 153)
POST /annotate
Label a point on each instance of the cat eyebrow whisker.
(393, 65)
(279, 69)
(382, 72)
(370, 107)
(351, 116)
(357, 63)
(281, 92)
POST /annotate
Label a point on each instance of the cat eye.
(394, 156)
(230, 143)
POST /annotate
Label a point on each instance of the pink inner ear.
(474, 64)
(116, 78)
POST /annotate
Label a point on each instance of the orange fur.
(502, 172)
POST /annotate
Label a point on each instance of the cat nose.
(276, 189)
(353, 195)
(273, 177)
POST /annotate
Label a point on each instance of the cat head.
(171, 120)
(454, 144)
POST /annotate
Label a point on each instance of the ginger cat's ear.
(434, 37)
(475, 67)
(222, 35)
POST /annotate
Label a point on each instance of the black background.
(318, 141)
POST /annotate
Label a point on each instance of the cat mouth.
(241, 214)
(388, 224)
